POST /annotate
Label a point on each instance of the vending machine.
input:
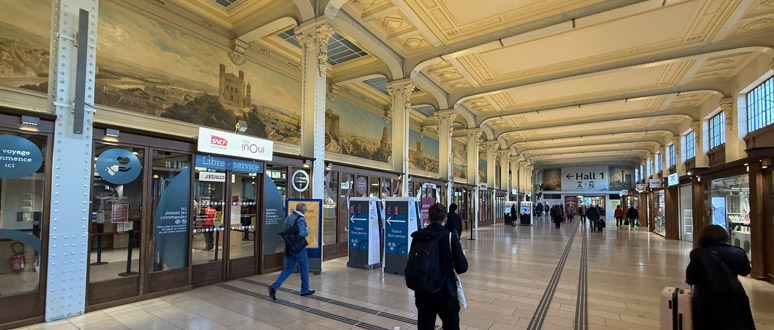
(401, 221)
(365, 218)
(525, 216)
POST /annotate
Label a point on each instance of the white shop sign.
(655, 183)
(212, 176)
(673, 179)
(235, 145)
(641, 187)
(589, 178)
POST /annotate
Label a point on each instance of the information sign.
(300, 180)
(673, 179)
(118, 166)
(585, 178)
(19, 157)
(225, 143)
(223, 164)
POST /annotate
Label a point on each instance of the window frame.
(672, 155)
(659, 162)
(717, 130)
(690, 145)
(760, 113)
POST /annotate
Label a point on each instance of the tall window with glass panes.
(671, 155)
(760, 106)
(690, 145)
(717, 130)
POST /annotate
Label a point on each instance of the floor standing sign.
(364, 237)
(313, 217)
(402, 220)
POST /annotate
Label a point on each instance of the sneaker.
(272, 293)
(311, 292)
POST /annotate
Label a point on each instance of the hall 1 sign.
(585, 178)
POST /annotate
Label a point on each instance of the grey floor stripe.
(342, 304)
(545, 301)
(300, 307)
(581, 306)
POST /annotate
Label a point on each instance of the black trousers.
(618, 222)
(443, 305)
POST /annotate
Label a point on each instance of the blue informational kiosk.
(402, 218)
(365, 217)
(526, 214)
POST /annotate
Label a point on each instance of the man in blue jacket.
(291, 259)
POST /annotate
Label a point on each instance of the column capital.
(696, 126)
(727, 106)
(676, 141)
(474, 133)
(504, 153)
(491, 146)
(316, 34)
(445, 114)
(400, 85)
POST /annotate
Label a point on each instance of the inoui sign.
(585, 178)
(225, 143)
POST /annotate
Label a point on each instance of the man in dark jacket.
(557, 215)
(632, 215)
(443, 303)
(593, 214)
(718, 298)
(454, 221)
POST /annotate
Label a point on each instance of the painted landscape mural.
(25, 30)
(552, 179)
(460, 160)
(621, 178)
(482, 170)
(354, 131)
(423, 152)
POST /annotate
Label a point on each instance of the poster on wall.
(313, 217)
(621, 178)
(585, 178)
(552, 179)
(274, 216)
(19, 157)
(570, 202)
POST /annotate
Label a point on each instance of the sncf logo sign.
(218, 141)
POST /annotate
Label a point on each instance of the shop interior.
(731, 208)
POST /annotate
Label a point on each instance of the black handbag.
(294, 243)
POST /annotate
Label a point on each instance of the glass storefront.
(171, 188)
(22, 212)
(659, 215)
(207, 244)
(730, 198)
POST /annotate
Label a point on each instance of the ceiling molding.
(650, 129)
(591, 143)
(372, 44)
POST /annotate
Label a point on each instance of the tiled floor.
(510, 268)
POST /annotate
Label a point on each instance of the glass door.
(242, 223)
(208, 226)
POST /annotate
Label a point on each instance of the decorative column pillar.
(702, 144)
(313, 37)
(664, 163)
(679, 166)
(514, 175)
(735, 146)
(445, 158)
(503, 156)
(472, 149)
(400, 93)
(530, 186)
(491, 154)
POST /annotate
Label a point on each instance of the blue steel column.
(68, 250)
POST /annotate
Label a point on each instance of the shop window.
(760, 106)
(690, 145)
(730, 198)
(717, 130)
(660, 219)
(171, 181)
(329, 207)
(672, 159)
(22, 191)
(116, 212)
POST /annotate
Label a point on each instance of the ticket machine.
(525, 215)
(365, 217)
(402, 219)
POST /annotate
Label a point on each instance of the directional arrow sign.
(390, 221)
(353, 219)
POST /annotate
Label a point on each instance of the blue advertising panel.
(397, 233)
(19, 157)
(170, 223)
(223, 164)
(118, 166)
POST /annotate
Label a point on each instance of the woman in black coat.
(718, 298)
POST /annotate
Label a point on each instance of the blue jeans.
(290, 263)
(593, 224)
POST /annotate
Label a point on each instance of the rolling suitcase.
(675, 311)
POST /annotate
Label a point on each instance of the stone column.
(679, 166)
(445, 158)
(313, 37)
(472, 150)
(503, 156)
(491, 158)
(400, 93)
(702, 144)
(664, 163)
(514, 174)
(735, 145)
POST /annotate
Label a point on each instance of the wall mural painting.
(482, 171)
(621, 178)
(552, 179)
(354, 131)
(153, 68)
(423, 152)
(460, 160)
(25, 29)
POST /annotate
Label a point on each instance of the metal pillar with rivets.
(445, 157)
(71, 97)
(472, 148)
(400, 95)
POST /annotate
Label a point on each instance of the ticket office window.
(116, 212)
(171, 186)
(22, 213)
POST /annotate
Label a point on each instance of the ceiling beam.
(650, 129)
(714, 87)
(590, 143)
(633, 161)
(612, 135)
(582, 153)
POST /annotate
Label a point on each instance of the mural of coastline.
(354, 131)
(154, 68)
(460, 160)
(552, 179)
(25, 30)
(423, 152)
(482, 170)
(621, 178)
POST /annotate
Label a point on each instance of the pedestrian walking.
(295, 224)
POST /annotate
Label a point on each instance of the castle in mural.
(233, 91)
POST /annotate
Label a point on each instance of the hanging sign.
(585, 178)
(225, 143)
(118, 166)
(300, 180)
(655, 183)
(641, 187)
(19, 157)
(673, 179)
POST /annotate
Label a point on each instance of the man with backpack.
(434, 257)
(295, 252)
